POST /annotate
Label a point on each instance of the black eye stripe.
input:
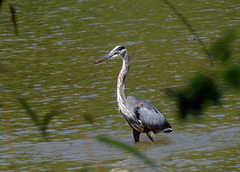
(120, 48)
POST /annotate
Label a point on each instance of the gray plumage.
(142, 116)
(148, 115)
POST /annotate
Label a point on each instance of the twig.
(191, 29)
(14, 19)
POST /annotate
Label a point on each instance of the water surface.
(50, 63)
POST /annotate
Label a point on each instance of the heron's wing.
(150, 116)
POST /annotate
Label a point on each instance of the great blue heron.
(142, 116)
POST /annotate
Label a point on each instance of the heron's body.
(140, 115)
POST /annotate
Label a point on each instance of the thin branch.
(14, 18)
(191, 29)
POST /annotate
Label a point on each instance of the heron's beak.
(108, 56)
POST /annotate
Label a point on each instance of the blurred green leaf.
(14, 18)
(89, 118)
(42, 125)
(232, 75)
(203, 88)
(128, 149)
(29, 110)
(1, 1)
(200, 90)
(47, 118)
(222, 49)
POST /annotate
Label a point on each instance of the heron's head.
(118, 51)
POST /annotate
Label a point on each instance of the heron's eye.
(117, 52)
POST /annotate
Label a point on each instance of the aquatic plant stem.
(191, 29)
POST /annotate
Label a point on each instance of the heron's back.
(146, 115)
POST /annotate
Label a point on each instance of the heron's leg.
(150, 135)
(136, 135)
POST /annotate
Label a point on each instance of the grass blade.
(47, 118)
(29, 110)
(1, 1)
(14, 18)
(128, 149)
(191, 29)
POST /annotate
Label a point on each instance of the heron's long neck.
(120, 82)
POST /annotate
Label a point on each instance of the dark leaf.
(128, 149)
(1, 1)
(200, 90)
(29, 110)
(222, 49)
(47, 118)
(233, 75)
(14, 18)
(89, 118)
(190, 28)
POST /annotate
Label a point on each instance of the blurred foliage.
(40, 124)
(222, 48)
(202, 88)
(128, 149)
(199, 91)
(46, 120)
(1, 1)
(190, 28)
(13, 16)
(88, 118)
(29, 110)
(232, 75)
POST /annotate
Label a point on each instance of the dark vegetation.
(202, 89)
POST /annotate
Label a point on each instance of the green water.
(50, 63)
